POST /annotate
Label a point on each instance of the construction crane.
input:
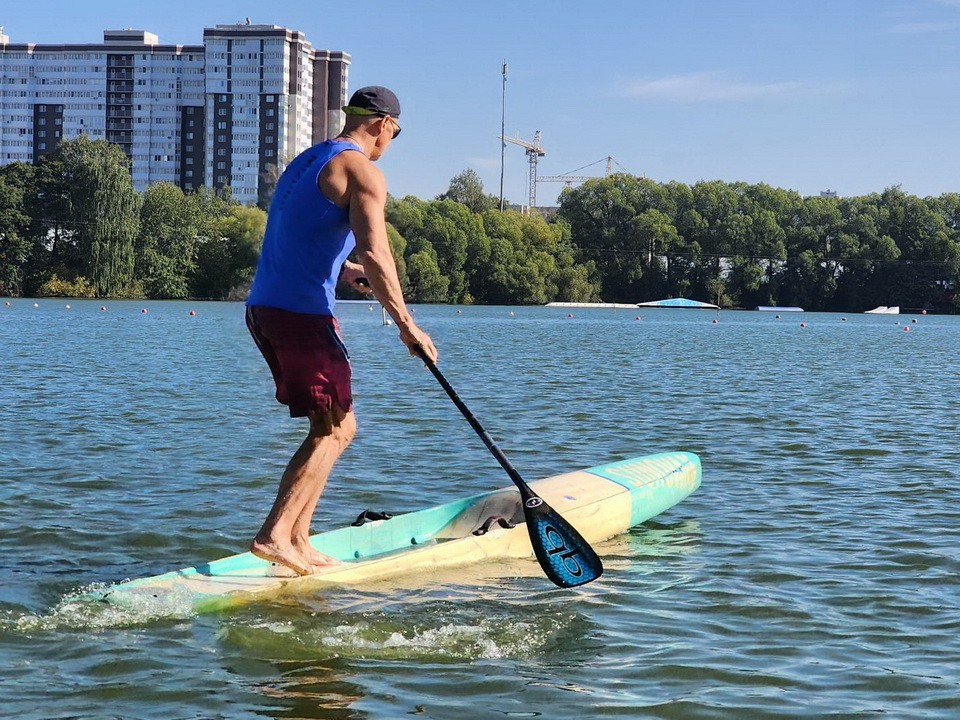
(570, 178)
(534, 151)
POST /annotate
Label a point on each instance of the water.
(814, 574)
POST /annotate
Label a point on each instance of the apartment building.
(230, 112)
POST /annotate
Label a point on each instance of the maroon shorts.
(309, 361)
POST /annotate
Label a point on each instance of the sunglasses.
(396, 125)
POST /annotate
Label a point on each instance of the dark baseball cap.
(373, 100)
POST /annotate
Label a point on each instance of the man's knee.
(347, 427)
(336, 423)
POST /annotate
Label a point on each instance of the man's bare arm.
(367, 192)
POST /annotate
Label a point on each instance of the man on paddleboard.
(330, 199)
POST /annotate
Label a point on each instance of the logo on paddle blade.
(534, 502)
(559, 547)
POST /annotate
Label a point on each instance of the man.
(330, 199)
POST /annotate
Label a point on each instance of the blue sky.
(851, 95)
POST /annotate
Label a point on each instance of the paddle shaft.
(525, 491)
(566, 558)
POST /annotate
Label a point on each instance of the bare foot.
(315, 557)
(288, 557)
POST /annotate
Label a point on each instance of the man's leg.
(300, 487)
(343, 426)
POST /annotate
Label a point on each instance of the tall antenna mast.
(503, 119)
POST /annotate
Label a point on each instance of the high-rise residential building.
(230, 112)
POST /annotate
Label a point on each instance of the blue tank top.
(307, 239)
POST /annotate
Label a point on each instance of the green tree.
(452, 231)
(427, 283)
(655, 231)
(227, 249)
(407, 215)
(467, 189)
(601, 214)
(16, 247)
(102, 210)
(165, 247)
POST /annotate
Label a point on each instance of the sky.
(810, 95)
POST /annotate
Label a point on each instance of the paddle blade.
(564, 555)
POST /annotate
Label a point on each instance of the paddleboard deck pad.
(600, 502)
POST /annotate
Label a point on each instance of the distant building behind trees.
(222, 114)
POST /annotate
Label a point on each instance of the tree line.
(745, 245)
(74, 225)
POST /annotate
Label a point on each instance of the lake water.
(814, 574)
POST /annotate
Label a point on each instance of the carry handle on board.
(566, 558)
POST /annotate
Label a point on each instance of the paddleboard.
(600, 502)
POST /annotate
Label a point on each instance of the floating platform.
(609, 306)
(679, 303)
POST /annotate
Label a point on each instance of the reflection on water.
(309, 690)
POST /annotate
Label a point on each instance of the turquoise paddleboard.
(600, 502)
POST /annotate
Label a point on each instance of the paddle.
(564, 555)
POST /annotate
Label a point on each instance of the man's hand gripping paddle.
(564, 555)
